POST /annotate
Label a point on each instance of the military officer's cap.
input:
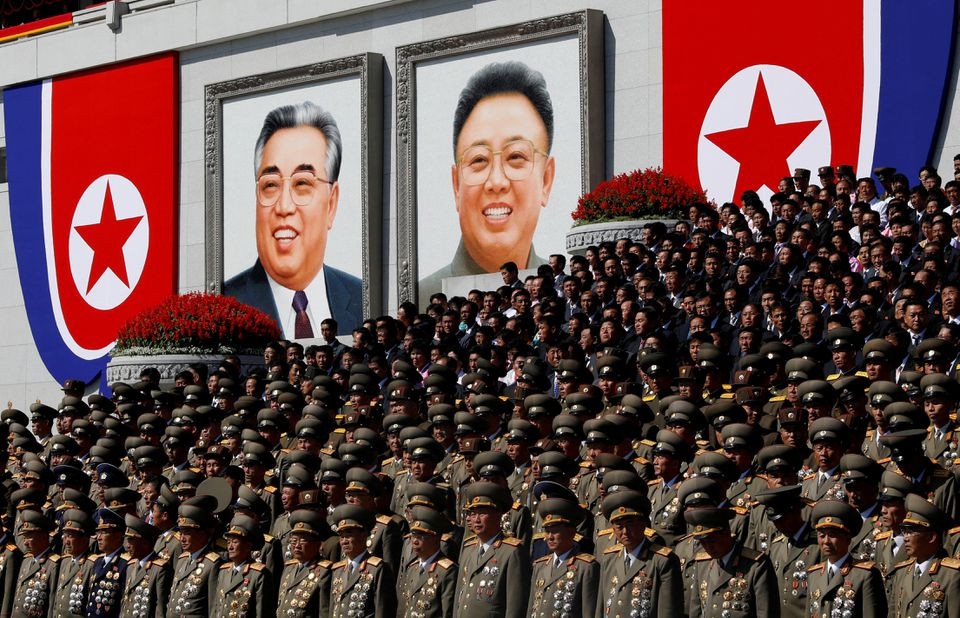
(792, 416)
(599, 430)
(226, 387)
(138, 528)
(634, 406)
(757, 364)
(348, 517)
(289, 402)
(109, 520)
(554, 464)
(816, 392)
(894, 486)
(715, 465)
(27, 499)
(425, 448)
(560, 512)
(883, 392)
(402, 370)
(34, 521)
(245, 527)
(837, 515)
(779, 456)
(83, 429)
(682, 411)
(310, 428)
(856, 467)
(825, 172)
(426, 520)
(742, 436)
(570, 370)
(315, 411)
(567, 425)
(901, 415)
(776, 351)
(195, 394)
(845, 170)
(149, 455)
(828, 429)
(413, 432)
(306, 459)
(362, 383)
(486, 494)
(810, 351)
(904, 438)
(935, 351)
(700, 491)
(533, 373)
(167, 499)
(709, 357)
(185, 479)
(426, 494)
(705, 521)
(362, 480)
(843, 338)
(268, 418)
(486, 404)
(466, 424)
(909, 381)
(437, 385)
(77, 521)
(724, 412)
(393, 423)
(621, 480)
(120, 498)
(624, 504)
(879, 351)
(257, 454)
(109, 475)
(249, 500)
(70, 475)
(541, 405)
(332, 470)
(311, 523)
(669, 443)
(520, 430)
(299, 476)
(62, 445)
(780, 500)
(370, 437)
(488, 370)
(41, 411)
(850, 388)
(924, 515)
(745, 378)
(583, 404)
(472, 446)
(356, 454)
(191, 516)
(401, 390)
(441, 414)
(38, 471)
(800, 173)
(657, 364)
(938, 385)
(177, 436)
(493, 463)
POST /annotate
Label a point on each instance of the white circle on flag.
(109, 291)
(791, 98)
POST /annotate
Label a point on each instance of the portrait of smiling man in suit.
(297, 164)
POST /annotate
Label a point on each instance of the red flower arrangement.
(640, 194)
(197, 323)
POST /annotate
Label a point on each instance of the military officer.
(891, 549)
(38, 571)
(829, 438)
(305, 585)
(731, 579)
(10, 559)
(192, 593)
(861, 483)
(792, 549)
(494, 570)
(147, 586)
(244, 587)
(929, 478)
(880, 394)
(164, 518)
(928, 583)
(940, 393)
(564, 581)
(669, 455)
(427, 586)
(638, 577)
(385, 541)
(741, 443)
(76, 563)
(110, 568)
(838, 584)
(362, 584)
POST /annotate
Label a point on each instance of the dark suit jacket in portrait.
(344, 293)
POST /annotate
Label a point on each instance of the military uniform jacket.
(564, 591)
(745, 586)
(10, 559)
(168, 546)
(934, 593)
(192, 593)
(146, 591)
(857, 588)
(665, 512)
(936, 484)
(427, 593)
(34, 585)
(496, 583)
(107, 579)
(830, 489)
(651, 586)
(246, 592)
(305, 589)
(386, 540)
(790, 558)
(944, 449)
(369, 591)
(888, 553)
(742, 490)
(69, 595)
(863, 547)
(872, 448)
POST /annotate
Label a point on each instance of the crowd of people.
(752, 414)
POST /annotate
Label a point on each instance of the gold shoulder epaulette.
(325, 564)
(212, 556)
(516, 506)
(865, 565)
(886, 534)
(445, 563)
(341, 564)
(660, 549)
(740, 510)
(613, 549)
(832, 377)
(727, 395)
(159, 561)
(388, 461)
(646, 532)
(640, 460)
(226, 565)
(339, 430)
(11, 546)
(815, 567)
(383, 519)
(605, 532)
(905, 563)
(810, 476)
(543, 559)
(54, 558)
(257, 566)
(270, 489)
(585, 558)
(646, 442)
(862, 374)
(952, 563)
(654, 482)
(584, 464)
(374, 560)
(777, 399)
(471, 543)
(701, 555)
(512, 541)
(649, 397)
(184, 554)
(289, 562)
(883, 460)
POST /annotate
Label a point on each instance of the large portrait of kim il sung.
(499, 133)
(293, 192)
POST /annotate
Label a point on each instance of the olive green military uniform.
(790, 558)
(168, 546)
(933, 592)
(35, 582)
(10, 559)
(69, 594)
(567, 589)
(745, 586)
(305, 589)
(386, 540)
(942, 447)
(863, 546)
(496, 583)
(667, 516)
(192, 593)
(857, 588)
(889, 554)
(244, 592)
(367, 591)
(146, 589)
(650, 584)
(429, 592)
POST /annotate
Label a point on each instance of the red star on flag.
(762, 147)
(107, 239)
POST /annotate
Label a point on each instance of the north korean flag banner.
(92, 161)
(753, 89)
